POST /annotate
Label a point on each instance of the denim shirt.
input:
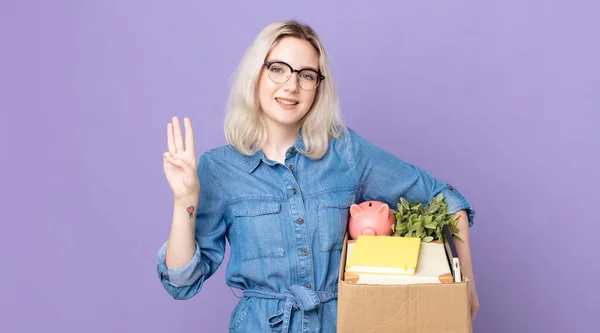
(286, 224)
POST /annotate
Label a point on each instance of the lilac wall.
(501, 99)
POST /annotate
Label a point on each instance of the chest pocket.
(333, 213)
(257, 224)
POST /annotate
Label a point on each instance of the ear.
(384, 210)
(355, 210)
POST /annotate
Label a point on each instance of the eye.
(277, 69)
(308, 76)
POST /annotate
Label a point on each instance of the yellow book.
(384, 255)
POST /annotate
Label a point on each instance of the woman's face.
(285, 103)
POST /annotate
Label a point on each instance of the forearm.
(181, 243)
(463, 247)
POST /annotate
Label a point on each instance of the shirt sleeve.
(384, 177)
(185, 282)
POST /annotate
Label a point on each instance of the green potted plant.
(415, 219)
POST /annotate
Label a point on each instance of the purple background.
(501, 99)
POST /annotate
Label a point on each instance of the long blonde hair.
(243, 127)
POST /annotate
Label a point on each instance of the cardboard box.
(412, 308)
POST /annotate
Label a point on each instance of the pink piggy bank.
(370, 218)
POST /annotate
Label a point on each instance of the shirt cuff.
(456, 202)
(182, 276)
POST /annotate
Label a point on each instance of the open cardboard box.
(413, 308)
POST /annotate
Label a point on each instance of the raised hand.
(179, 162)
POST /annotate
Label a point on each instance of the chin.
(287, 122)
(287, 117)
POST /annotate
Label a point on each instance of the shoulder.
(222, 158)
(348, 137)
(219, 154)
(351, 142)
(345, 146)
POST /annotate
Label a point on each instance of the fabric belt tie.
(297, 297)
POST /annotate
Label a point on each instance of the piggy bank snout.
(369, 231)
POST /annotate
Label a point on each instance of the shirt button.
(450, 188)
(300, 220)
(307, 285)
(304, 251)
(291, 167)
(293, 191)
(292, 150)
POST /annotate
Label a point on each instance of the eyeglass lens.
(280, 73)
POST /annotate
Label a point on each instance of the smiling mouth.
(284, 101)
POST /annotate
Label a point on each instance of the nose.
(292, 83)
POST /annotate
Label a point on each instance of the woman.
(280, 191)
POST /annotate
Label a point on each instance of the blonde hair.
(243, 127)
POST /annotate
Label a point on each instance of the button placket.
(305, 264)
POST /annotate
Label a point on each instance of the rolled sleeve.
(182, 276)
(457, 202)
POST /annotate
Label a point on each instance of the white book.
(432, 267)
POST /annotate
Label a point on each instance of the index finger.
(189, 135)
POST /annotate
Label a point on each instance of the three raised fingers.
(175, 137)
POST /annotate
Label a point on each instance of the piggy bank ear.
(384, 210)
(355, 210)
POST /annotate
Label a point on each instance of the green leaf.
(427, 239)
(430, 226)
(405, 203)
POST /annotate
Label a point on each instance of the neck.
(279, 139)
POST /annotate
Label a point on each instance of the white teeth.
(286, 102)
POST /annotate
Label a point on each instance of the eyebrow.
(301, 68)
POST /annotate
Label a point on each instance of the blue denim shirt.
(286, 225)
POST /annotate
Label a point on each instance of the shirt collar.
(252, 161)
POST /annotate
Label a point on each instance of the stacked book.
(401, 260)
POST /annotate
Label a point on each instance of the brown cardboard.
(414, 308)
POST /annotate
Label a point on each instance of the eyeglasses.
(280, 72)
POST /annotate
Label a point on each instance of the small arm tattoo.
(190, 211)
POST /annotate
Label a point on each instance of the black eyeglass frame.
(319, 75)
